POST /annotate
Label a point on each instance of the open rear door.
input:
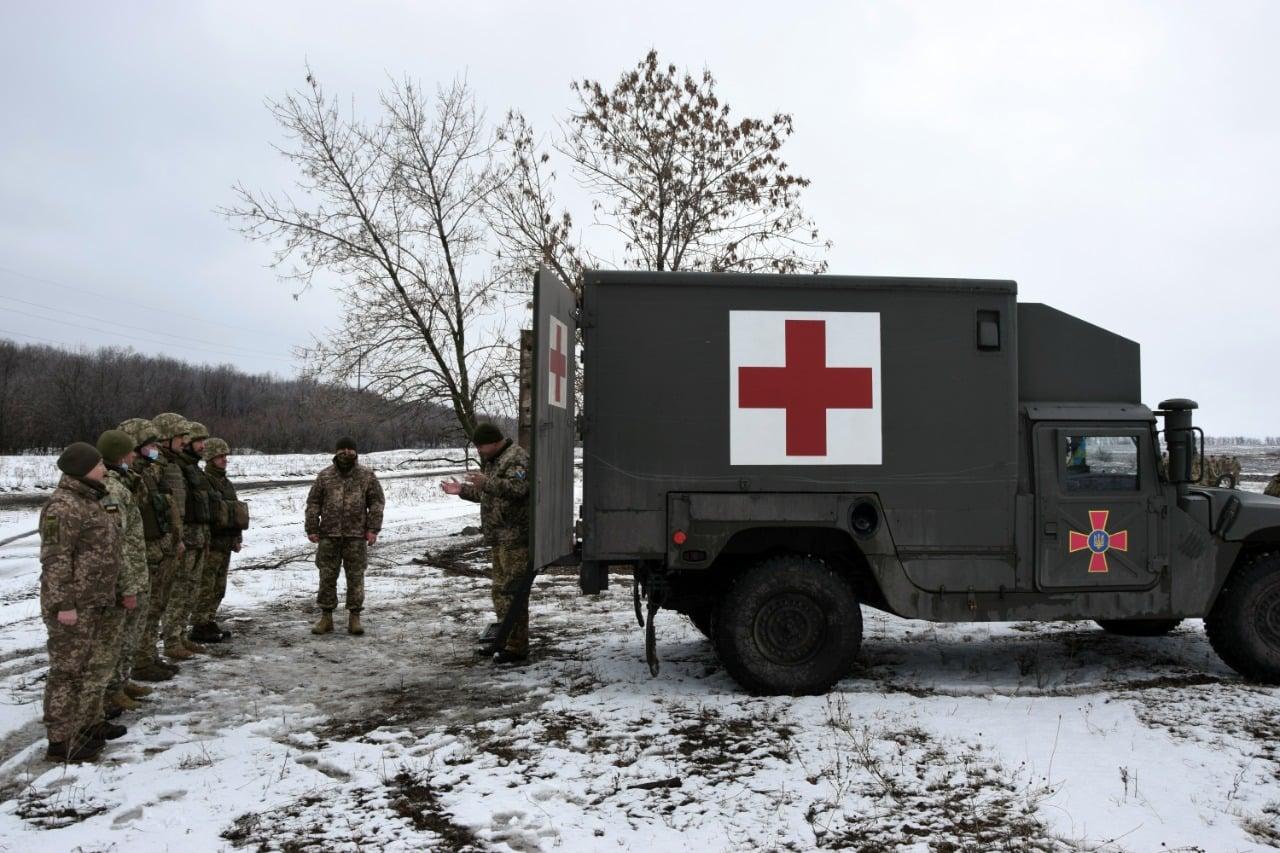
(551, 447)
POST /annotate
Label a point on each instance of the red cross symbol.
(1098, 541)
(558, 364)
(806, 387)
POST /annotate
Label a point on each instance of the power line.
(108, 320)
(117, 298)
(222, 354)
(33, 337)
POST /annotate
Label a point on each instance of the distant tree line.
(50, 397)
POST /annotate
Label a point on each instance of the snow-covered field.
(945, 737)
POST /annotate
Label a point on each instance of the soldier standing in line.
(138, 656)
(117, 452)
(344, 515)
(80, 554)
(195, 535)
(502, 490)
(173, 431)
(224, 538)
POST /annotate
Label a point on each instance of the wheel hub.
(790, 628)
(1267, 616)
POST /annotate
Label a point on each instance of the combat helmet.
(141, 430)
(170, 424)
(197, 431)
(214, 447)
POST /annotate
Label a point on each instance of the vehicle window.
(1100, 463)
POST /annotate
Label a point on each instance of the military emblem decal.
(1098, 541)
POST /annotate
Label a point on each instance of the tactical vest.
(197, 511)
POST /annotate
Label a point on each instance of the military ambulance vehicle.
(768, 454)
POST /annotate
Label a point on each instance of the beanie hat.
(486, 433)
(345, 443)
(114, 445)
(79, 459)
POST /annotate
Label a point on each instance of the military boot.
(136, 691)
(120, 700)
(206, 632)
(152, 671)
(105, 731)
(75, 750)
(354, 627)
(194, 648)
(325, 624)
(177, 651)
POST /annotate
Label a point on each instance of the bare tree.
(685, 185)
(522, 211)
(394, 209)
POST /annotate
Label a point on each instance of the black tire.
(788, 625)
(701, 619)
(1244, 625)
(1139, 627)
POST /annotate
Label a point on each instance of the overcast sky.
(1120, 161)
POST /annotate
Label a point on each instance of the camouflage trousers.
(102, 660)
(163, 570)
(213, 586)
(510, 568)
(334, 554)
(177, 612)
(66, 705)
(135, 623)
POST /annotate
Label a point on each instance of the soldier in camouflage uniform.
(502, 490)
(80, 554)
(117, 452)
(344, 515)
(138, 656)
(1273, 487)
(1224, 469)
(195, 535)
(175, 431)
(224, 538)
(172, 432)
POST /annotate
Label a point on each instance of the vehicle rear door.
(551, 529)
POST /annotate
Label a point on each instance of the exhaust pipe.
(1180, 439)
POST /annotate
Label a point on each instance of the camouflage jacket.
(344, 504)
(171, 477)
(161, 519)
(504, 499)
(221, 539)
(123, 488)
(1273, 487)
(80, 547)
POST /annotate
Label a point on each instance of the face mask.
(124, 466)
(153, 454)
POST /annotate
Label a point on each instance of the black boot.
(79, 751)
(106, 731)
(206, 632)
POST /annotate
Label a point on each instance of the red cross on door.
(806, 387)
(558, 364)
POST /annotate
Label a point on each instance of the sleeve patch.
(519, 473)
(49, 531)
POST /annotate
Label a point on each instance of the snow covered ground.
(945, 737)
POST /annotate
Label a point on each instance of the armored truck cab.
(767, 453)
